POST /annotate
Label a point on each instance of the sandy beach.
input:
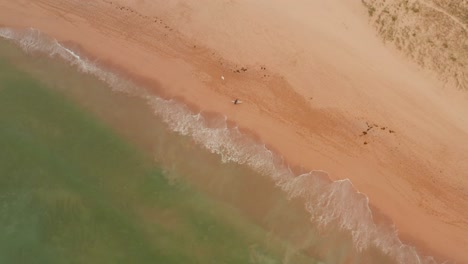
(318, 86)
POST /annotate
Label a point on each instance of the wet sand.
(318, 87)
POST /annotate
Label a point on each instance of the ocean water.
(95, 169)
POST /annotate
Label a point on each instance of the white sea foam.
(327, 202)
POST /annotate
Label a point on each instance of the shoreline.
(297, 150)
(378, 217)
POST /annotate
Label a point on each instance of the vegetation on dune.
(433, 33)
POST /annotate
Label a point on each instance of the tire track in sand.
(440, 10)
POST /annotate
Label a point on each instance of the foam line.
(327, 202)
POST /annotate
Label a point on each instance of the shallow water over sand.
(215, 194)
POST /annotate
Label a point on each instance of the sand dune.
(432, 33)
(318, 85)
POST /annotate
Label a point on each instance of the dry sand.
(313, 76)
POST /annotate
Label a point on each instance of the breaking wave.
(328, 202)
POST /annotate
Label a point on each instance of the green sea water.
(78, 186)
